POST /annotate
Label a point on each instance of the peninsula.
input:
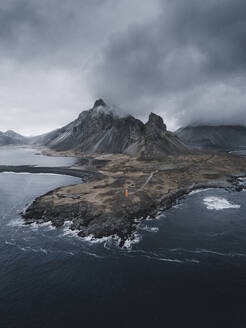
(99, 206)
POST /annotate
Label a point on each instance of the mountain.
(224, 137)
(101, 129)
(12, 138)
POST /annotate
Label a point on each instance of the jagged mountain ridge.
(12, 138)
(102, 130)
(221, 137)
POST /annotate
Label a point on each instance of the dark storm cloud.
(188, 63)
(184, 59)
(50, 30)
(46, 51)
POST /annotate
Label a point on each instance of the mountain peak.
(156, 121)
(99, 102)
(100, 108)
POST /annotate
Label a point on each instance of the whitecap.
(160, 216)
(135, 239)
(206, 251)
(197, 191)
(43, 251)
(34, 226)
(170, 260)
(218, 203)
(149, 229)
(10, 243)
(48, 225)
(68, 232)
(192, 261)
(19, 222)
(93, 255)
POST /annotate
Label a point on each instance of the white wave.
(160, 216)
(217, 234)
(48, 225)
(43, 251)
(206, 251)
(157, 256)
(197, 191)
(68, 253)
(10, 243)
(149, 229)
(93, 254)
(108, 242)
(27, 248)
(135, 239)
(219, 253)
(94, 240)
(192, 261)
(34, 226)
(218, 203)
(170, 260)
(19, 222)
(68, 232)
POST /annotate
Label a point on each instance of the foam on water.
(48, 225)
(135, 239)
(68, 232)
(197, 191)
(93, 240)
(26, 248)
(157, 256)
(148, 228)
(19, 222)
(218, 203)
(206, 251)
(93, 255)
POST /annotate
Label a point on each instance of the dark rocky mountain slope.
(224, 137)
(102, 130)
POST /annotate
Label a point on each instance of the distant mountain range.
(12, 138)
(101, 129)
(224, 137)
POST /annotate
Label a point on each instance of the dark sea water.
(185, 269)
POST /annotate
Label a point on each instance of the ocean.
(186, 268)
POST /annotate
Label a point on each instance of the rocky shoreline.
(99, 207)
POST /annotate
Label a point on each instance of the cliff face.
(159, 142)
(225, 137)
(102, 130)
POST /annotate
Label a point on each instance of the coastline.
(98, 208)
(83, 174)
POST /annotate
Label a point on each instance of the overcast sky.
(183, 59)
